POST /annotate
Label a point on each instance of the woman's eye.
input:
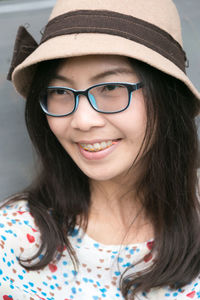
(110, 87)
(60, 91)
(57, 92)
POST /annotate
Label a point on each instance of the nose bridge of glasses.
(89, 97)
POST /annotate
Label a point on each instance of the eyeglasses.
(107, 98)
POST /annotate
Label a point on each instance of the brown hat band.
(109, 22)
(101, 21)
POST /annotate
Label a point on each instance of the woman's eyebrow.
(62, 78)
(112, 72)
(98, 76)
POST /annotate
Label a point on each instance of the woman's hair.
(167, 187)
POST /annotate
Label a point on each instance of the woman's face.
(118, 136)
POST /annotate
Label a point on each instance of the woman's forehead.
(95, 61)
(95, 68)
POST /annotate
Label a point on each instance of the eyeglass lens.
(105, 98)
(110, 98)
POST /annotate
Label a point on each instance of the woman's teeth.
(97, 146)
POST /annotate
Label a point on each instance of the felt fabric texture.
(159, 24)
(102, 21)
(24, 46)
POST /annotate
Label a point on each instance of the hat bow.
(24, 46)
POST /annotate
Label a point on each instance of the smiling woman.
(86, 128)
(114, 212)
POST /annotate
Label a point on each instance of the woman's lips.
(95, 147)
(97, 151)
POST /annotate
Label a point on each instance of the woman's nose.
(85, 117)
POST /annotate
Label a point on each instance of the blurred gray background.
(17, 158)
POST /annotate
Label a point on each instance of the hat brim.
(93, 44)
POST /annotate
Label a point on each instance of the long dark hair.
(167, 187)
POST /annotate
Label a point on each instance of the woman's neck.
(116, 215)
(114, 199)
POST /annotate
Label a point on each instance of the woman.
(113, 212)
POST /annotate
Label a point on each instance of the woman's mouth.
(98, 146)
(96, 151)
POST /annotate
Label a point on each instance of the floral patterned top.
(97, 277)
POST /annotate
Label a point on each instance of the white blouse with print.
(98, 275)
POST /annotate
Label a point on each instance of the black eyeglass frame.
(131, 87)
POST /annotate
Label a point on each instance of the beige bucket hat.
(148, 31)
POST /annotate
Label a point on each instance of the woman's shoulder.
(15, 214)
(13, 206)
(190, 291)
(18, 230)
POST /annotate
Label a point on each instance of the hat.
(148, 31)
